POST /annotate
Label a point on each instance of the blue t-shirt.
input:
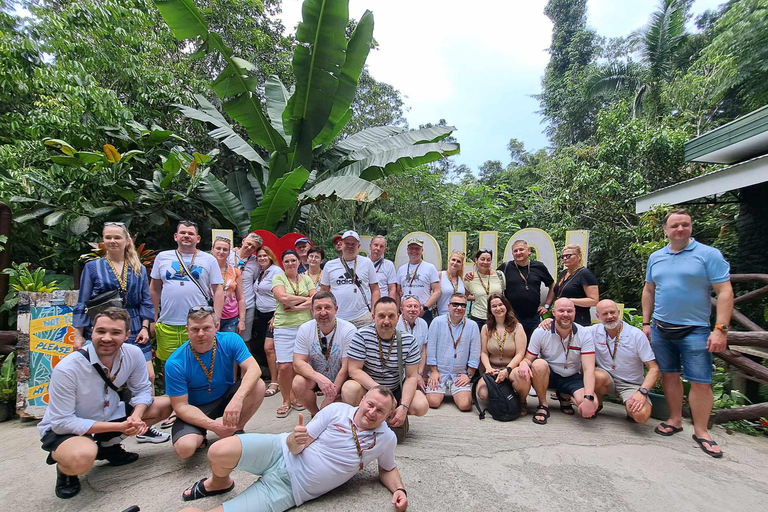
(684, 282)
(184, 376)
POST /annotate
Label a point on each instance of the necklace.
(294, 286)
(208, 372)
(111, 379)
(182, 272)
(480, 278)
(456, 341)
(326, 349)
(524, 278)
(564, 280)
(567, 348)
(357, 443)
(410, 277)
(500, 341)
(405, 324)
(315, 281)
(615, 344)
(454, 286)
(384, 360)
(122, 277)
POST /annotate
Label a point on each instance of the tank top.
(493, 350)
(446, 290)
(230, 309)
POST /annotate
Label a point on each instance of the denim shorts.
(688, 355)
(229, 324)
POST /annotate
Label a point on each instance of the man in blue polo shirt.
(200, 380)
(678, 286)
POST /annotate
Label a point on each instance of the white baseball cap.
(352, 234)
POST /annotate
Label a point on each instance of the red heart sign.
(279, 245)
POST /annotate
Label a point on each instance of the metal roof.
(741, 139)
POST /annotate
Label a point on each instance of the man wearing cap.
(352, 279)
(384, 268)
(246, 262)
(337, 244)
(419, 278)
(302, 245)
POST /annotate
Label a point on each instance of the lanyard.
(357, 443)
(566, 349)
(326, 347)
(378, 264)
(410, 276)
(384, 360)
(112, 379)
(525, 279)
(461, 333)
(615, 344)
(208, 372)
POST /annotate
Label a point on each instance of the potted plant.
(7, 388)
(659, 408)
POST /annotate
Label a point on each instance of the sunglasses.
(195, 309)
(120, 224)
(458, 304)
(410, 297)
(567, 256)
(483, 251)
(324, 345)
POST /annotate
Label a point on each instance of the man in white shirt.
(246, 262)
(410, 322)
(320, 354)
(563, 359)
(352, 279)
(384, 268)
(86, 419)
(419, 278)
(621, 351)
(309, 462)
(173, 290)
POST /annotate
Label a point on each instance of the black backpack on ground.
(503, 401)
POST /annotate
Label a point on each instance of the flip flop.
(272, 391)
(662, 425)
(297, 406)
(284, 410)
(168, 423)
(198, 491)
(537, 413)
(566, 406)
(709, 443)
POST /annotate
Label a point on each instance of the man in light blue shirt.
(678, 285)
(453, 355)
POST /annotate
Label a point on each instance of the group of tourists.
(376, 344)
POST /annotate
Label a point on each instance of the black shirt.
(524, 302)
(573, 288)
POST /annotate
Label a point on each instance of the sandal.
(538, 414)
(284, 410)
(708, 442)
(272, 391)
(297, 406)
(662, 425)
(565, 405)
(168, 423)
(198, 491)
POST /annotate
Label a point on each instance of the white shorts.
(623, 389)
(285, 342)
(447, 384)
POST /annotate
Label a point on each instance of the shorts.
(262, 454)
(447, 383)
(690, 351)
(51, 440)
(623, 389)
(146, 348)
(229, 324)
(213, 410)
(169, 338)
(363, 321)
(565, 385)
(285, 342)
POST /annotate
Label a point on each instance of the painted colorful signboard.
(46, 336)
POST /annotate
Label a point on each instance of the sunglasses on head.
(120, 224)
(410, 297)
(458, 304)
(195, 309)
(483, 251)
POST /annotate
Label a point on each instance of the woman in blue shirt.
(120, 269)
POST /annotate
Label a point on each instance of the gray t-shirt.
(179, 292)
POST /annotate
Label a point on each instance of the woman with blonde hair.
(233, 312)
(578, 284)
(450, 281)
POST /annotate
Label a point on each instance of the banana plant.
(293, 160)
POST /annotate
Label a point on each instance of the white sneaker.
(532, 392)
(152, 435)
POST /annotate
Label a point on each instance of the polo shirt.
(564, 357)
(684, 282)
(633, 352)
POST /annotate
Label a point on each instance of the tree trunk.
(748, 412)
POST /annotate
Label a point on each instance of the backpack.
(503, 401)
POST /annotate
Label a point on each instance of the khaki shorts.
(623, 389)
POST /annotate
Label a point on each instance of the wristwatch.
(509, 370)
(722, 327)
(546, 306)
(591, 398)
(643, 391)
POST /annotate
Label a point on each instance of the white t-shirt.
(417, 279)
(265, 299)
(308, 344)
(387, 275)
(419, 331)
(549, 346)
(633, 351)
(351, 302)
(332, 458)
(179, 292)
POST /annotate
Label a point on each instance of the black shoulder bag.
(355, 280)
(124, 393)
(111, 299)
(208, 298)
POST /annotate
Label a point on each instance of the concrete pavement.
(451, 461)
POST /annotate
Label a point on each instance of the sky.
(477, 64)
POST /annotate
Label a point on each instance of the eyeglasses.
(121, 224)
(458, 304)
(195, 309)
(567, 256)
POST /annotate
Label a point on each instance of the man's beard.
(612, 325)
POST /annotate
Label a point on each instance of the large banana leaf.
(223, 131)
(278, 199)
(361, 139)
(245, 187)
(277, 99)
(183, 18)
(348, 188)
(220, 197)
(317, 60)
(395, 160)
(357, 52)
(402, 140)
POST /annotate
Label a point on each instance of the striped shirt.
(365, 347)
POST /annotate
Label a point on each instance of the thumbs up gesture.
(300, 432)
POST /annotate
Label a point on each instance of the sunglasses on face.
(195, 309)
(458, 304)
(567, 256)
